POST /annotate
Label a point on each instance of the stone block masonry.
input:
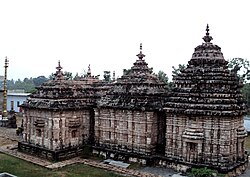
(199, 122)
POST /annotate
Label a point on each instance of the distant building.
(16, 98)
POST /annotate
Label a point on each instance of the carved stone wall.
(198, 123)
(204, 112)
(127, 130)
(205, 140)
(56, 129)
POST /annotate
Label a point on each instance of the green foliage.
(68, 75)
(126, 71)
(76, 76)
(162, 77)
(52, 76)
(39, 80)
(202, 172)
(135, 166)
(107, 76)
(177, 70)
(22, 168)
(241, 67)
(246, 94)
(28, 84)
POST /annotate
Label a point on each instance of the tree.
(177, 70)
(76, 76)
(162, 77)
(68, 75)
(246, 93)
(39, 80)
(241, 67)
(51, 76)
(126, 71)
(107, 76)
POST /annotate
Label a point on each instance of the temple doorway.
(192, 152)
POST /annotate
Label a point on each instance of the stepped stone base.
(56, 155)
(160, 160)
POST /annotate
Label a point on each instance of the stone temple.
(204, 112)
(199, 122)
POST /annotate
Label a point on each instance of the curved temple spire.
(140, 55)
(207, 38)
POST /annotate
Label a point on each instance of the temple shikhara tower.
(199, 122)
(204, 112)
(59, 117)
(130, 117)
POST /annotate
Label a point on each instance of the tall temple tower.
(204, 113)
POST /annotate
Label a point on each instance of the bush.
(202, 172)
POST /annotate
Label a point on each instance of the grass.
(22, 168)
(135, 166)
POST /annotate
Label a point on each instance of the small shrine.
(59, 118)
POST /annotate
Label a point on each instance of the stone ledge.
(50, 165)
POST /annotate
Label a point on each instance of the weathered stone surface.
(204, 112)
(129, 118)
(59, 116)
(137, 89)
(199, 123)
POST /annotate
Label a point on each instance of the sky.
(36, 34)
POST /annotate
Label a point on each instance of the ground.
(83, 167)
(22, 168)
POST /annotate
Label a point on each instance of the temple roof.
(138, 88)
(62, 94)
(206, 86)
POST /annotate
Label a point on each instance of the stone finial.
(89, 71)
(59, 73)
(59, 68)
(113, 78)
(140, 55)
(207, 38)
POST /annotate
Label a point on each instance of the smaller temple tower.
(129, 119)
(58, 118)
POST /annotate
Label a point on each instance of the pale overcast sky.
(106, 33)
